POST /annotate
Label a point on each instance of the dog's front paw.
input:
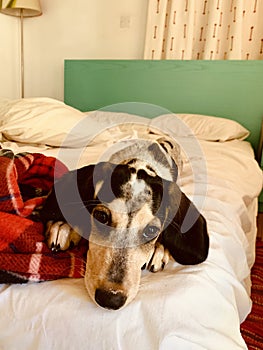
(159, 259)
(61, 236)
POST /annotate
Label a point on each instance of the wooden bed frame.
(228, 89)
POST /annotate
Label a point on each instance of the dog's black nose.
(110, 299)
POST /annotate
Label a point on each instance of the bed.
(213, 110)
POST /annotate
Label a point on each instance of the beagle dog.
(134, 215)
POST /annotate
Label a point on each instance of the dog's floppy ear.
(185, 235)
(67, 199)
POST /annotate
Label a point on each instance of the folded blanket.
(24, 256)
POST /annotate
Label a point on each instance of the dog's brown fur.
(133, 217)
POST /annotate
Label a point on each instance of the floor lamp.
(22, 9)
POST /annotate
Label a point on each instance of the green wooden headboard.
(228, 89)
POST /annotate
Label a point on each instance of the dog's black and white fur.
(134, 215)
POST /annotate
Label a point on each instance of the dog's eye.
(101, 216)
(150, 232)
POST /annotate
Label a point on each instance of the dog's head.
(130, 210)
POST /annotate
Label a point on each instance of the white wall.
(87, 29)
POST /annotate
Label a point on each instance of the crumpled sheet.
(182, 307)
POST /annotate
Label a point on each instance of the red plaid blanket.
(25, 179)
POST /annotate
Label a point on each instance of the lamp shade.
(30, 8)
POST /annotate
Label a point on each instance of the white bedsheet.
(182, 307)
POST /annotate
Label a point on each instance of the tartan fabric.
(34, 170)
(24, 255)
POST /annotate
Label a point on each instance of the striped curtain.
(204, 29)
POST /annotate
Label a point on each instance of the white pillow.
(52, 122)
(44, 121)
(204, 127)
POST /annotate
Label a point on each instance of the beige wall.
(87, 29)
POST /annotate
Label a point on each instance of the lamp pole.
(22, 53)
